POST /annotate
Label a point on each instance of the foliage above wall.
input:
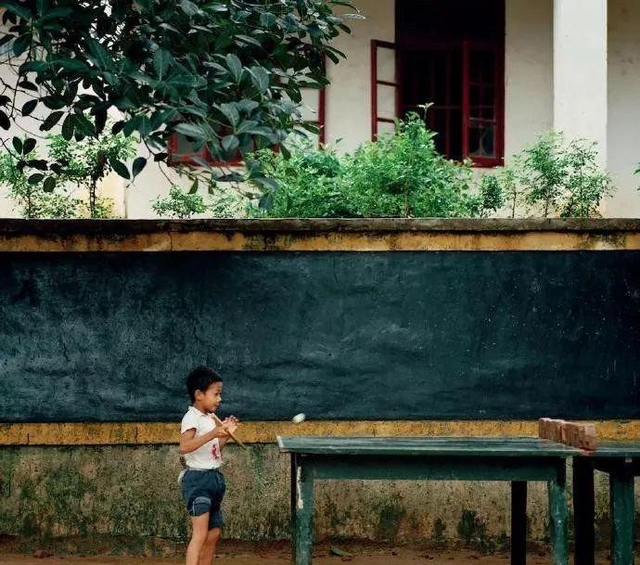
(399, 175)
(72, 189)
(226, 74)
(402, 175)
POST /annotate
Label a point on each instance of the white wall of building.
(528, 72)
(624, 106)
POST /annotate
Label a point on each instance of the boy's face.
(211, 398)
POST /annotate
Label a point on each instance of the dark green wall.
(344, 335)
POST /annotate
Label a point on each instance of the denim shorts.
(202, 491)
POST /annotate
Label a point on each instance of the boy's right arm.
(190, 442)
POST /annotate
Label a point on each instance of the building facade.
(498, 73)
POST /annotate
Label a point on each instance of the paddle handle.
(219, 422)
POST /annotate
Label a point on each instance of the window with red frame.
(449, 54)
(181, 149)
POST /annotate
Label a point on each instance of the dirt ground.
(391, 556)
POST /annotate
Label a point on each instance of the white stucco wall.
(349, 95)
(528, 72)
(624, 106)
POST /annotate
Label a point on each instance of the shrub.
(562, 178)
(400, 175)
(184, 205)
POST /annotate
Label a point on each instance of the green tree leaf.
(235, 66)
(49, 184)
(138, 165)
(36, 178)
(230, 143)
(17, 145)
(51, 120)
(29, 107)
(68, 126)
(28, 146)
(120, 168)
(190, 130)
(161, 61)
(260, 78)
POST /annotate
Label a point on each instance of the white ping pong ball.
(298, 418)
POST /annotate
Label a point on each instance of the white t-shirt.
(207, 456)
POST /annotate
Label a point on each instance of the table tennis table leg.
(583, 511)
(622, 515)
(558, 517)
(518, 523)
(302, 511)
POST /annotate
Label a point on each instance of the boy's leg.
(200, 525)
(209, 548)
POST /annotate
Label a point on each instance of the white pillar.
(580, 70)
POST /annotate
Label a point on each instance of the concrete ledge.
(159, 433)
(383, 234)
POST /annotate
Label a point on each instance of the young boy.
(201, 444)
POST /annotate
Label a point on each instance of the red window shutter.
(482, 103)
(379, 83)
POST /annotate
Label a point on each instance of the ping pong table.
(621, 461)
(517, 460)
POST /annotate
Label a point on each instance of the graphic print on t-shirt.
(214, 451)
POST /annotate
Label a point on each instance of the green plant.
(179, 204)
(87, 162)
(310, 183)
(79, 165)
(562, 178)
(227, 74)
(491, 193)
(184, 205)
(400, 175)
(403, 175)
(511, 190)
(33, 195)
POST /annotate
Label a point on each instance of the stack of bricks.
(582, 436)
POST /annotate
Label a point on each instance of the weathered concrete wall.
(89, 273)
(126, 498)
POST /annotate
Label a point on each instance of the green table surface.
(426, 446)
(614, 449)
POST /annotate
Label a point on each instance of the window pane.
(482, 140)
(386, 101)
(386, 64)
(310, 104)
(435, 76)
(455, 134)
(183, 145)
(385, 128)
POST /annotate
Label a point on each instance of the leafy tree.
(87, 162)
(227, 74)
(81, 165)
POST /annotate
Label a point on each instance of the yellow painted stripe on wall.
(148, 433)
(330, 241)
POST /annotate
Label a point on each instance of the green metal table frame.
(517, 460)
(621, 461)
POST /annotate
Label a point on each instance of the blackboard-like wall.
(338, 335)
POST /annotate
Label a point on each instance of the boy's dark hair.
(201, 378)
